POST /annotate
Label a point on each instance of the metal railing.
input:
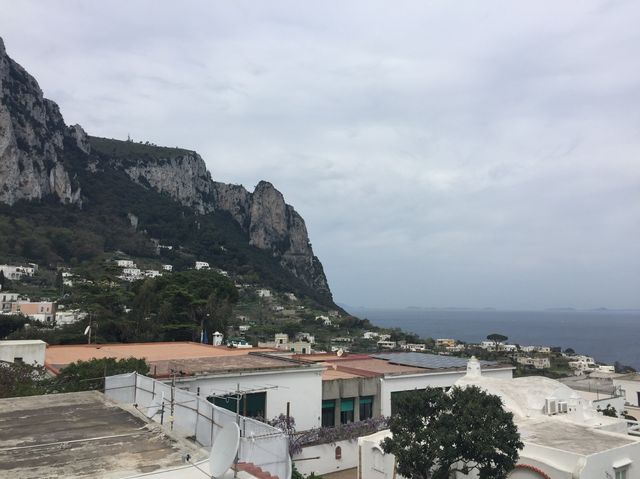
(190, 415)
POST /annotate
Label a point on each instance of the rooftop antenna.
(224, 450)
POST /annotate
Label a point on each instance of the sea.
(606, 335)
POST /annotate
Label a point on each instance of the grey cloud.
(467, 153)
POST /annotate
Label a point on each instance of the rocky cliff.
(32, 134)
(37, 148)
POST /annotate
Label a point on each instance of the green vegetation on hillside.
(54, 235)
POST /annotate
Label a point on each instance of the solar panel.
(428, 361)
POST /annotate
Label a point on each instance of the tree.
(609, 411)
(437, 433)
(18, 379)
(569, 351)
(89, 375)
(497, 338)
(3, 280)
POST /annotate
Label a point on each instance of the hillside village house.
(69, 316)
(263, 293)
(201, 265)
(564, 436)
(167, 267)
(6, 300)
(536, 362)
(16, 273)
(445, 342)
(38, 310)
(125, 263)
(281, 342)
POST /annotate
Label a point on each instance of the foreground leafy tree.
(437, 433)
(17, 379)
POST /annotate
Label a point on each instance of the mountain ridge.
(41, 158)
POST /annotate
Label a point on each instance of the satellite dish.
(224, 449)
(340, 352)
(87, 329)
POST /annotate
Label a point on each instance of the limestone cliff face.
(32, 133)
(35, 142)
(184, 177)
(276, 226)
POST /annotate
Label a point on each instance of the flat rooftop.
(57, 357)
(570, 437)
(227, 364)
(395, 363)
(21, 342)
(82, 435)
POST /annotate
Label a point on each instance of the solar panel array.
(429, 361)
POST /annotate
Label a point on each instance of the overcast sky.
(442, 153)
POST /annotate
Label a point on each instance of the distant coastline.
(607, 335)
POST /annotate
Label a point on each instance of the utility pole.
(238, 399)
(173, 388)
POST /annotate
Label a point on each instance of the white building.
(6, 301)
(69, 317)
(386, 344)
(167, 267)
(630, 385)
(582, 364)
(263, 293)
(16, 273)
(536, 362)
(125, 263)
(281, 342)
(564, 436)
(27, 351)
(131, 274)
(152, 273)
(413, 346)
(202, 265)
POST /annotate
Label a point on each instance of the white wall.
(31, 351)
(599, 465)
(409, 382)
(321, 459)
(631, 390)
(302, 388)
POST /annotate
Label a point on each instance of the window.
(251, 405)
(328, 413)
(621, 473)
(346, 410)
(366, 407)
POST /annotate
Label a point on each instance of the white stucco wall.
(31, 351)
(321, 459)
(631, 390)
(302, 388)
(601, 465)
(409, 382)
